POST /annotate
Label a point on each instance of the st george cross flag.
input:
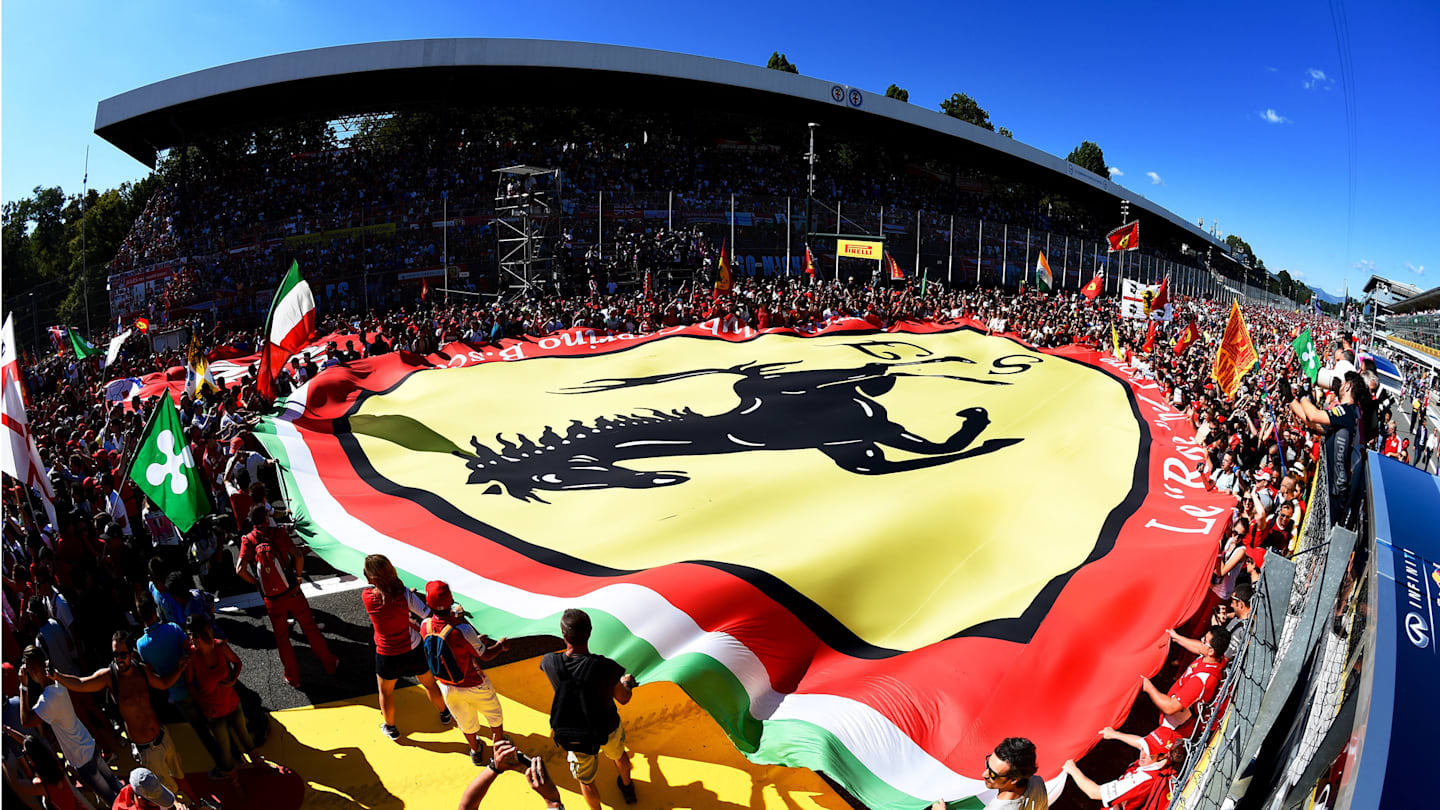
(1304, 347)
(165, 472)
(19, 455)
(1043, 279)
(82, 348)
(288, 327)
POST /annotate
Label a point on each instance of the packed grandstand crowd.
(366, 210)
(147, 590)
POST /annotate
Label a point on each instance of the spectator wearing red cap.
(454, 651)
(270, 560)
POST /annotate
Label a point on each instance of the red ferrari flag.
(1094, 288)
(1125, 237)
(725, 280)
(424, 289)
(1149, 339)
(1162, 296)
(142, 324)
(809, 262)
(896, 274)
(1187, 336)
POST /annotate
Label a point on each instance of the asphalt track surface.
(335, 601)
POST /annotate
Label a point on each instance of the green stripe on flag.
(711, 684)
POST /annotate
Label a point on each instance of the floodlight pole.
(84, 254)
(810, 190)
(445, 243)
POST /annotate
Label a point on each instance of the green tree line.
(45, 254)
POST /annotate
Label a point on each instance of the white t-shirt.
(55, 708)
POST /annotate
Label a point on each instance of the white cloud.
(1315, 77)
(1114, 172)
(1272, 70)
(1419, 271)
(1272, 117)
(1154, 179)
(1298, 274)
(1365, 266)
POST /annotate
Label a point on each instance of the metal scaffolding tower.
(527, 213)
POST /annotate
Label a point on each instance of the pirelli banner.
(872, 249)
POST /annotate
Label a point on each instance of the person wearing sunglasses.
(1010, 772)
(130, 680)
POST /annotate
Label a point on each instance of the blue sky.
(1235, 111)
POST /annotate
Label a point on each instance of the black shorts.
(404, 665)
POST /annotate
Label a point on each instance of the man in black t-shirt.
(597, 683)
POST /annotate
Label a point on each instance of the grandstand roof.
(389, 76)
(1421, 302)
(1398, 287)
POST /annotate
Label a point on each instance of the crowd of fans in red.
(145, 589)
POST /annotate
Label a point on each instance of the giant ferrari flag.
(290, 323)
(1236, 354)
(773, 522)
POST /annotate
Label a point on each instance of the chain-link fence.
(1296, 647)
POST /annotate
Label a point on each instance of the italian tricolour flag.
(288, 327)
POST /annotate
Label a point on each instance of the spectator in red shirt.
(212, 674)
(1139, 785)
(396, 612)
(1195, 687)
(277, 567)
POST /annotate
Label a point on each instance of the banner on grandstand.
(862, 249)
(484, 466)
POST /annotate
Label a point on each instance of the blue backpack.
(439, 655)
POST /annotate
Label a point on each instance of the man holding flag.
(1236, 355)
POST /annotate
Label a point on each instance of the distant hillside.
(1325, 296)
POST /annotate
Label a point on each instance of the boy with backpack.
(277, 566)
(453, 651)
(583, 717)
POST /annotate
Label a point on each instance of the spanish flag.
(1094, 288)
(1125, 237)
(1236, 355)
(725, 280)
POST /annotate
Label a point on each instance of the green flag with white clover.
(164, 470)
(1304, 347)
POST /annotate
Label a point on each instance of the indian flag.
(288, 327)
(1043, 278)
